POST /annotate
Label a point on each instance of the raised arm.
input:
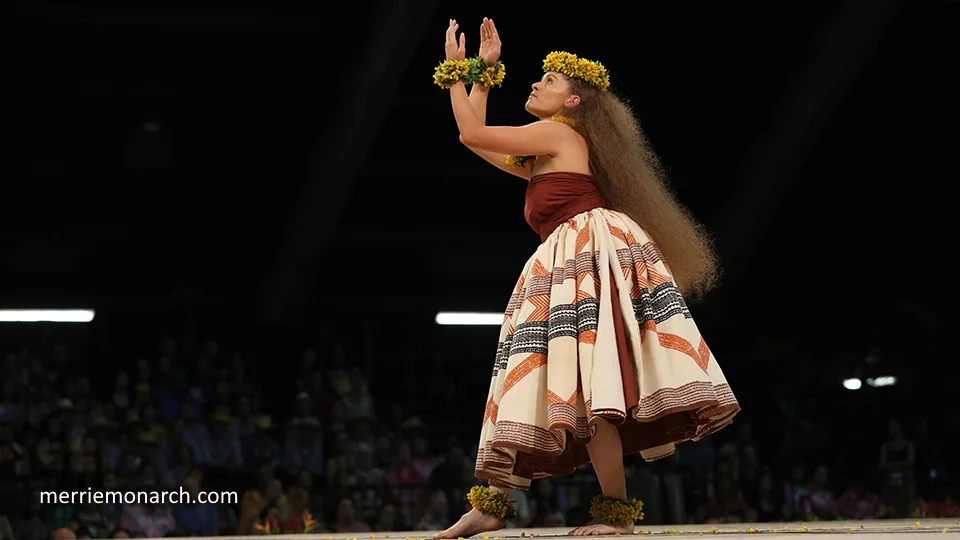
(478, 99)
(536, 139)
(539, 138)
(490, 53)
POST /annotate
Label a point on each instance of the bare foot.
(473, 522)
(602, 528)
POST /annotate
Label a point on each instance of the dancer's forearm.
(468, 121)
(478, 98)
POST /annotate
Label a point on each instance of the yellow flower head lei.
(521, 161)
(490, 502)
(616, 510)
(589, 71)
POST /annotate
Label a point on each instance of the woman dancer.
(598, 355)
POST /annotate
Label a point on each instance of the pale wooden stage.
(853, 530)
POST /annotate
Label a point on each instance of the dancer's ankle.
(491, 501)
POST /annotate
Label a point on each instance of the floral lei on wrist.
(470, 70)
(521, 161)
(490, 502)
(616, 510)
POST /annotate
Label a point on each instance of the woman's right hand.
(489, 42)
(454, 50)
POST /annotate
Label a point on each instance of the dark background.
(282, 176)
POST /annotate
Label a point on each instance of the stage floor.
(864, 530)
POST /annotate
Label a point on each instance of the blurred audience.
(339, 458)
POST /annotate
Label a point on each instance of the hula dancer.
(599, 355)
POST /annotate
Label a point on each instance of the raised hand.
(453, 50)
(489, 42)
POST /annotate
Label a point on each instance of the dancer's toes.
(473, 522)
(598, 527)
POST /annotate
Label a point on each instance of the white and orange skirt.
(596, 331)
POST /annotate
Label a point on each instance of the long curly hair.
(632, 180)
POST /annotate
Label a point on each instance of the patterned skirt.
(596, 331)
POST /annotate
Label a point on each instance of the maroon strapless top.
(553, 198)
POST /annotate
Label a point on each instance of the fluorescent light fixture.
(469, 319)
(46, 315)
(880, 382)
(852, 384)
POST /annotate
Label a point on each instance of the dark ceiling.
(280, 161)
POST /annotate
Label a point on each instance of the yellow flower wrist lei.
(616, 510)
(471, 71)
(490, 502)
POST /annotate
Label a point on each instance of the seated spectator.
(764, 500)
(90, 519)
(109, 441)
(407, 480)
(240, 384)
(897, 464)
(305, 482)
(261, 448)
(858, 503)
(299, 502)
(794, 493)
(52, 447)
(423, 460)
(173, 471)
(304, 447)
(436, 515)
(356, 397)
(224, 448)
(196, 434)
(728, 504)
(448, 475)
(346, 520)
(819, 502)
(120, 397)
(148, 519)
(110, 510)
(141, 396)
(384, 452)
(387, 519)
(11, 412)
(194, 518)
(361, 431)
(243, 423)
(167, 387)
(221, 398)
(149, 423)
(368, 475)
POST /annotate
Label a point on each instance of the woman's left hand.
(454, 50)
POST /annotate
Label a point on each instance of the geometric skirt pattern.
(596, 331)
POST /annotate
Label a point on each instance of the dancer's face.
(551, 95)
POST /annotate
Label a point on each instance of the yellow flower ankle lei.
(490, 502)
(471, 71)
(616, 510)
